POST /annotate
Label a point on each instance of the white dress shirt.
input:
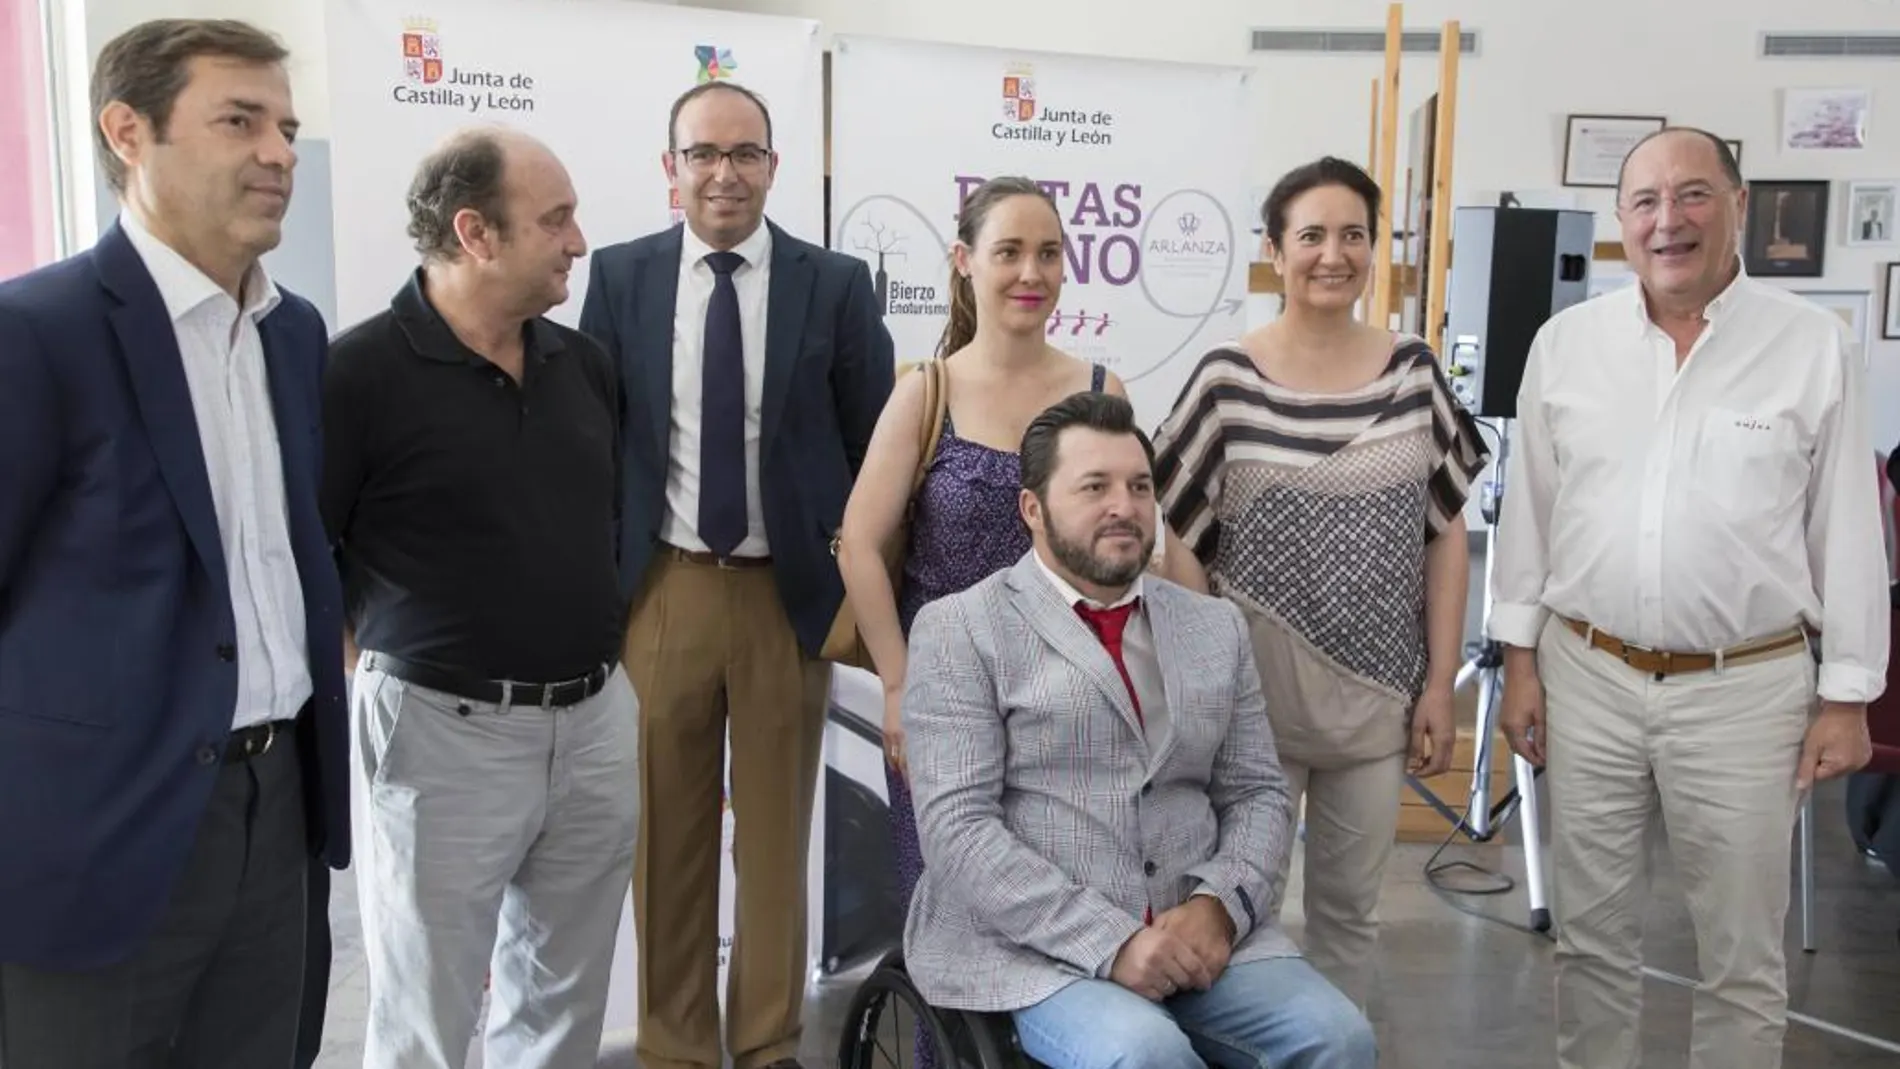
(1139, 654)
(223, 356)
(753, 281)
(1698, 509)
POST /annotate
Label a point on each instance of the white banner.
(593, 79)
(1147, 162)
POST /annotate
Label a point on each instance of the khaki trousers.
(710, 651)
(1716, 755)
(1352, 818)
(1342, 744)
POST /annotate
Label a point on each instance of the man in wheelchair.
(1102, 814)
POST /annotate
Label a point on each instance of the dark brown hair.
(1095, 410)
(700, 90)
(976, 208)
(148, 66)
(1325, 171)
(465, 173)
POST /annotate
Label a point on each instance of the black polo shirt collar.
(431, 337)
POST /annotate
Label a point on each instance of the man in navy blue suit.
(753, 366)
(172, 746)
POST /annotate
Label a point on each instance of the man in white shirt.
(1688, 528)
(173, 760)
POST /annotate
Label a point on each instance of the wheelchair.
(881, 1026)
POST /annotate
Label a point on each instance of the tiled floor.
(1457, 991)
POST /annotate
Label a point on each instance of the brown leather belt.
(1672, 663)
(713, 560)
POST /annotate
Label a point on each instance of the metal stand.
(1807, 873)
(1481, 820)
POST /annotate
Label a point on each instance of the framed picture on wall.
(1890, 323)
(1594, 146)
(1853, 306)
(1786, 233)
(1870, 214)
(1824, 118)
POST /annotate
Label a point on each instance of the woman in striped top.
(1319, 467)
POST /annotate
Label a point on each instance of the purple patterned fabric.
(965, 527)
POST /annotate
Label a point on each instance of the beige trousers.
(711, 653)
(1341, 743)
(1352, 816)
(1716, 755)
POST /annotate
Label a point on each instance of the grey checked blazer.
(1046, 826)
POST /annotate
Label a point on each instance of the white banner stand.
(1156, 220)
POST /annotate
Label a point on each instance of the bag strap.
(936, 407)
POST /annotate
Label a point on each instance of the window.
(28, 216)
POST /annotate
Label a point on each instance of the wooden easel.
(1393, 281)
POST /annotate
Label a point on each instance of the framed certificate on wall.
(1594, 146)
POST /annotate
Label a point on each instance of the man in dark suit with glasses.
(753, 367)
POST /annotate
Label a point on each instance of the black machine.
(1513, 268)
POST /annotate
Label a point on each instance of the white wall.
(1690, 60)
(298, 22)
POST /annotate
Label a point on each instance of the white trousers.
(1715, 754)
(491, 840)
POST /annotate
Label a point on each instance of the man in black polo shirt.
(470, 485)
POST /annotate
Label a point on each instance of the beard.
(1081, 559)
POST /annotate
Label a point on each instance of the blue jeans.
(1279, 1013)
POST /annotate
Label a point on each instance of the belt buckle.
(270, 738)
(1632, 648)
(580, 688)
(724, 564)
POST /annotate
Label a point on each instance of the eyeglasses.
(705, 158)
(1646, 204)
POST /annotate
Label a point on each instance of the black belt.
(254, 741)
(713, 560)
(493, 691)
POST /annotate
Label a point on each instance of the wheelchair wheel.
(881, 1028)
(991, 1039)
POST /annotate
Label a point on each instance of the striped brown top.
(1316, 509)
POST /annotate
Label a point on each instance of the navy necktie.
(722, 475)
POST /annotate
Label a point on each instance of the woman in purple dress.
(999, 373)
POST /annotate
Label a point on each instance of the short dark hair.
(1325, 171)
(1731, 167)
(700, 90)
(467, 172)
(148, 66)
(1095, 410)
